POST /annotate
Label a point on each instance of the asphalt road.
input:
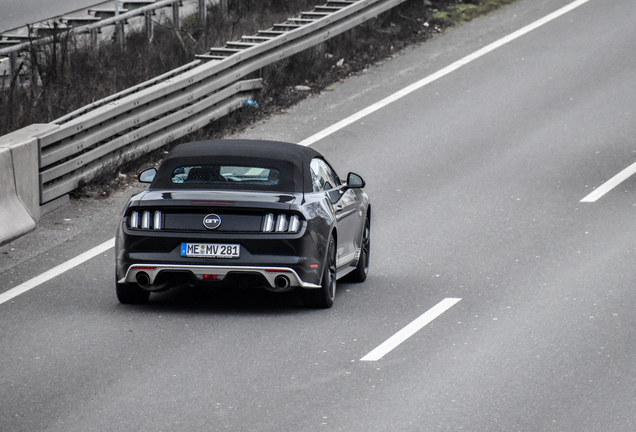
(476, 180)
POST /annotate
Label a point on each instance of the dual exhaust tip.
(281, 282)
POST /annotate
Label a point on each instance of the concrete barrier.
(19, 181)
(14, 219)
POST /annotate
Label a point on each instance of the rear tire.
(131, 294)
(362, 269)
(323, 297)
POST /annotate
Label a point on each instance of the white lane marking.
(610, 184)
(56, 271)
(408, 331)
(443, 72)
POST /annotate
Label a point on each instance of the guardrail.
(131, 123)
(74, 25)
(95, 26)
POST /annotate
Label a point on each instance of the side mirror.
(148, 175)
(355, 181)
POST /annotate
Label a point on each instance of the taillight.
(134, 220)
(268, 223)
(294, 224)
(145, 220)
(280, 223)
(156, 222)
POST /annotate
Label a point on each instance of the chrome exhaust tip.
(281, 282)
(143, 280)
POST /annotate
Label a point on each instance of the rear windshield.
(218, 174)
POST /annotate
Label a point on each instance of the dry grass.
(455, 14)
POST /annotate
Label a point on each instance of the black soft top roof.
(292, 160)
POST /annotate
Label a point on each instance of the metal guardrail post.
(175, 16)
(94, 42)
(149, 25)
(13, 65)
(121, 37)
(202, 12)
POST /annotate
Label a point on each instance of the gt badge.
(212, 221)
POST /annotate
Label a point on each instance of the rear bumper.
(219, 273)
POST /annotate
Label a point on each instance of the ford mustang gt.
(244, 212)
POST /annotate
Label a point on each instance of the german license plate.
(202, 250)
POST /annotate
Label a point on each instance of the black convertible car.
(244, 212)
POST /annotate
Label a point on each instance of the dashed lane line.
(416, 325)
(619, 178)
